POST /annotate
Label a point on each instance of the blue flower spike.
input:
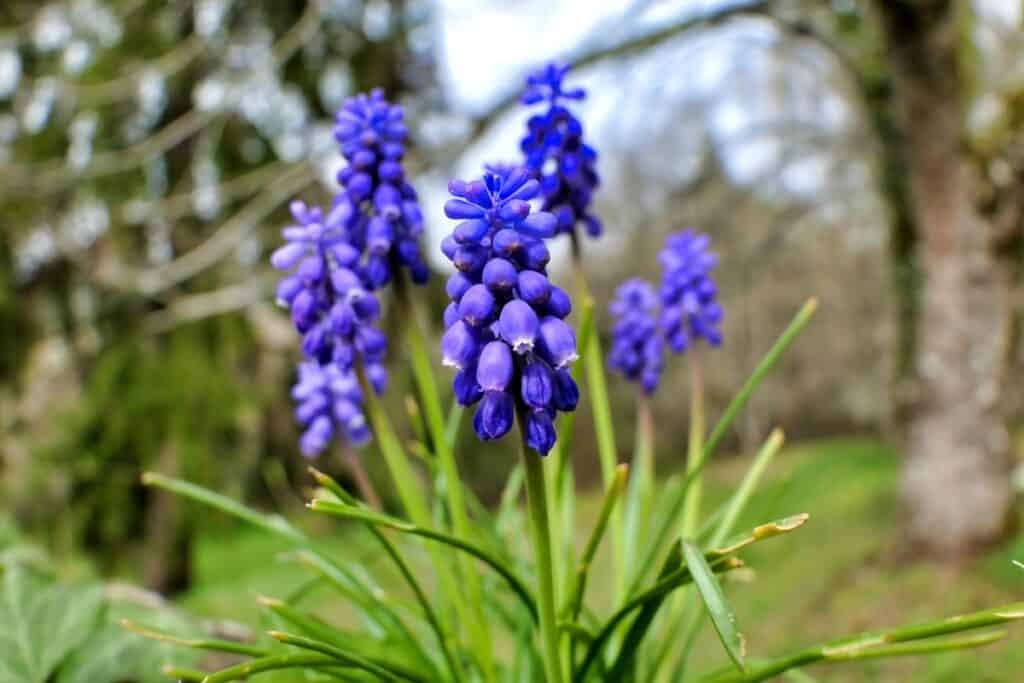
(378, 210)
(505, 332)
(556, 154)
(336, 314)
(689, 297)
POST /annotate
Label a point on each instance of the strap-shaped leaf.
(301, 660)
(907, 640)
(346, 658)
(671, 577)
(407, 573)
(210, 644)
(675, 491)
(349, 512)
(386, 653)
(611, 497)
(721, 613)
(650, 598)
(273, 523)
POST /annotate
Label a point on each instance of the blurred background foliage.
(148, 151)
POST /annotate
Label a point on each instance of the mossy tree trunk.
(957, 486)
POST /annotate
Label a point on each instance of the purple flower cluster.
(378, 209)
(689, 310)
(336, 314)
(505, 329)
(336, 261)
(637, 343)
(329, 398)
(556, 154)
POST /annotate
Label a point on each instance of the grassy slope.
(840, 574)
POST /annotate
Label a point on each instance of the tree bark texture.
(956, 485)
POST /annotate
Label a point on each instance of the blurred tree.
(965, 204)
(147, 152)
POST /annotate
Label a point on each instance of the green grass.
(842, 573)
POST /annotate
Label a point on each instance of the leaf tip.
(782, 526)
(268, 601)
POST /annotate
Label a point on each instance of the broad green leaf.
(722, 616)
(43, 623)
(113, 655)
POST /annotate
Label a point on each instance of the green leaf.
(273, 523)
(345, 658)
(722, 615)
(43, 623)
(209, 644)
(1019, 564)
(389, 653)
(113, 655)
(275, 663)
(362, 515)
(611, 496)
(890, 643)
(922, 647)
(674, 495)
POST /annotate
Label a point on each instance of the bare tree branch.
(218, 245)
(208, 304)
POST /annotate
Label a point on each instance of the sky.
(640, 109)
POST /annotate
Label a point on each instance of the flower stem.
(540, 527)
(436, 424)
(641, 483)
(409, 491)
(362, 479)
(691, 507)
(597, 386)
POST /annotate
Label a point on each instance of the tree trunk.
(957, 486)
(167, 566)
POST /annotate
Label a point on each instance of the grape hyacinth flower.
(505, 330)
(690, 310)
(637, 344)
(377, 209)
(329, 399)
(556, 154)
(335, 314)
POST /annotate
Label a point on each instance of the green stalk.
(363, 482)
(423, 373)
(536, 496)
(641, 483)
(611, 497)
(691, 507)
(679, 608)
(604, 428)
(409, 490)
(562, 486)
